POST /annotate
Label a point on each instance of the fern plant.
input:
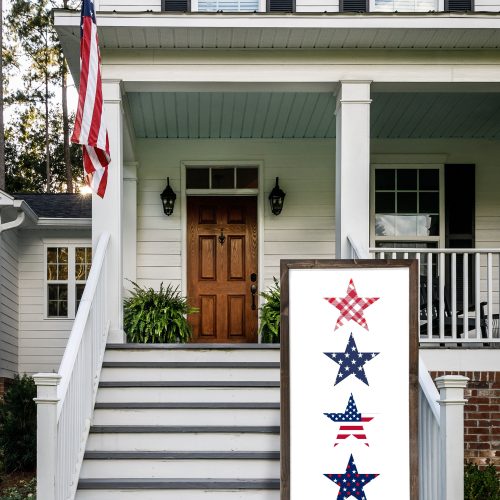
(270, 315)
(157, 316)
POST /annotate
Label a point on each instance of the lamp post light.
(276, 198)
(168, 199)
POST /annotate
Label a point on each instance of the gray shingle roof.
(59, 205)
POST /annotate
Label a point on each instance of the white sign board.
(349, 336)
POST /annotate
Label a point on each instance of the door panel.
(222, 255)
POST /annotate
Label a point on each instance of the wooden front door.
(222, 267)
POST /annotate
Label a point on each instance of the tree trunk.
(47, 139)
(67, 157)
(2, 129)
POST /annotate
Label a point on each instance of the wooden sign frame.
(287, 370)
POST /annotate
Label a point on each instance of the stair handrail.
(65, 400)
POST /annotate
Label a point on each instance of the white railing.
(65, 401)
(459, 293)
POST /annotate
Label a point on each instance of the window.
(407, 205)
(404, 6)
(228, 5)
(68, 268)
(222, 177)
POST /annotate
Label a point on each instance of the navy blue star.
(351, 483)
(351, 361)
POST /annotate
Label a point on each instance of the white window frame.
(439, 240)
(71, 281)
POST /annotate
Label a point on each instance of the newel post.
(451, 392)
(46, 434)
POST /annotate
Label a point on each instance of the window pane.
(423, 225)
(80, 272)
(78, 295)
(429, 179)
(62, 255)
(407, 203)
(428, 203)
(385, 179)
(197, 178)
(51, 255)
(247, 178)
(407, 179)
(223, 178)
(80, 255)
(385, 203)
(57, 305)
(406, 225)
(385, 225)
(62, 273)
(52, 272)
(434, 229)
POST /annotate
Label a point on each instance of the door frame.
(258, 193)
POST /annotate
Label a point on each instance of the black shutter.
(462, 5)
(353, 5)
(280, 5)
(176, 5)
(460, 216)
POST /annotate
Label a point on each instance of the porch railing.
(459, 298)
(65, 400)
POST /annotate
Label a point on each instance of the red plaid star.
(351, 306)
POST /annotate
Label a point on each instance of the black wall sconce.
(168, 199)
(276, 199)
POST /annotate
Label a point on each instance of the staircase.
(185, 422)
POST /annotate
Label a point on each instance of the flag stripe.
(90, 130)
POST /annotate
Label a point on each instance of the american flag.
(90, 130)
(351, 422)
(351, 361)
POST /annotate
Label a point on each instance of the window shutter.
(176, 5)
(458, 5)
(353, 5)
(280, 5)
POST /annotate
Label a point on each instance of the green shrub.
(481, 484)
(18, 426)
(270, 315)
(152, 316)
(23, 491)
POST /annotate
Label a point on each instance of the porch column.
(352, 169)
(130, 224)
(451, 391)
(107, 212)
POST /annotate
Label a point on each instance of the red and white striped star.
(351, 306)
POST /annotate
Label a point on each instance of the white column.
(129, 224)
(46, 433)
(451, 392)
(107, 212)
(352, 168)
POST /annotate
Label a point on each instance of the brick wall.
(482, 417)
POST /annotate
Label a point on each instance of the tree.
(2, 128)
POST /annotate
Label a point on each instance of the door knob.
(253, 289)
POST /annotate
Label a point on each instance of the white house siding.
(41, 341)
(305, 229)
(9, 303)
(317, 6)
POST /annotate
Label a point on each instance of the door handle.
(253, 289)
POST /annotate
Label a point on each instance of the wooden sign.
(349, 384)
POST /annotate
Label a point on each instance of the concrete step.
(192, 352)
(187, 413)
(114, 371)
(216, 465)
(187, 438)
(182, 391)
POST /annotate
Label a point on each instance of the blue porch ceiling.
(288, 115)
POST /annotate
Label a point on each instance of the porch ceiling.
(236, 115)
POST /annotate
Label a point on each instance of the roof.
(59, 205)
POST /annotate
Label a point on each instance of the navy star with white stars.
(351, 483)
(351, 361)
(87, 11)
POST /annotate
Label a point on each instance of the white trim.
(60, 222)
(461, 359)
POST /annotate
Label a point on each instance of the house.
(45, 257)
(380, 122)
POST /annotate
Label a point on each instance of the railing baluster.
(477, 301)
(430, 306)
(441, 272)
(465, 292)
(489, 324)
(454, 295)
